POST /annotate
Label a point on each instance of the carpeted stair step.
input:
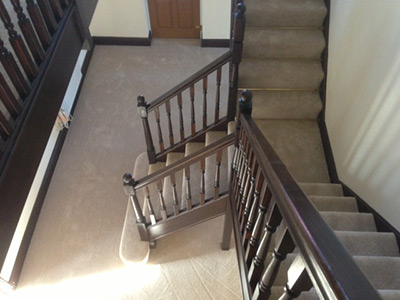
(280, 74)
(369, 243)
(131, 249)
(167, 188)
(333, 203)
(194, 176)
(349, 221)
(293, 13)
(298, 144)
(266, 42)
(321, 189)
(286, 104)
(212, 137)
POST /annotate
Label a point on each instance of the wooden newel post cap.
(240, 8)
(141, 100)
(142, 106)
(246, 102)
(129, 183)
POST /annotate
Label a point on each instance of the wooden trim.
(122, 41)
(329, 158)
(382, 225)
(217, 43)
(196, 215)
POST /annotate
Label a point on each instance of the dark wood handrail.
(186, 161)
(211, 67)
(331, 268)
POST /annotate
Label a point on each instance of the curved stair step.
(369, 243)
(266, 42)
(349, 221)
(194, 177)
(322, 189)
(305, 13)
(333, 203)
(286, 105)
(280, 74)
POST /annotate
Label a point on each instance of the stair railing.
(156, 217)
(185, 95)
(266, 201)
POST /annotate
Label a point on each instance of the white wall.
(215, 17)
(129, 18)
(363, 100)
(120, 18)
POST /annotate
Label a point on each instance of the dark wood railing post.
(129, 187)
(236, 48)
(142, 109)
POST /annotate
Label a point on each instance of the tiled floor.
(74, 253)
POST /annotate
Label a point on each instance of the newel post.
(142, 109)
(236, 48)
(129, 187)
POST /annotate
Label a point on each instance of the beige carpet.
(74, 253)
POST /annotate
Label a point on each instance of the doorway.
(175, 18)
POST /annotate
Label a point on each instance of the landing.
(74, 252)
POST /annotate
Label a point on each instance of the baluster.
(202, 182)
(129, 184)
(253, 212)
(174, 194)
(217, 174)
(298, 280)
(142, 109)
(149, 205)
(160, 137)
(5, 127)
(162, 201)
(8, 98)
(48, 16)
(265, 198)
(205, 87)
(57, 9)
(241, 155)
(28, 32)
(13, 71)
(274, 218)
(171, 133)
(38, 23)
(188, 189)
(218, 94)
(245, 190)
(181, 127)
(254, 191)
(242, 175)
(283, 245)
(64, 3)
(18, 44)
(193, 116)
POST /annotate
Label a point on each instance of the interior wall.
(120, 18)
(363, 100)
(130, 18)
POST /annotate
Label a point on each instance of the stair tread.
(280, 73)
(349, 221)
(306, 13)
(156, 167)
(369, 243)
(334, 203)
(214, 136)
(286, 105)
(266, 42)
(299, 145)
(322, 189)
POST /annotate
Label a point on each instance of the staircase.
(281, 65)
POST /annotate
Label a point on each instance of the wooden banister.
(207, 70)
(186, 161)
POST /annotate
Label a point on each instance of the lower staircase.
(281, 64)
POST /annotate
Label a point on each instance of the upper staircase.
(296, 233)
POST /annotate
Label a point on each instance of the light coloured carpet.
(74, 253)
